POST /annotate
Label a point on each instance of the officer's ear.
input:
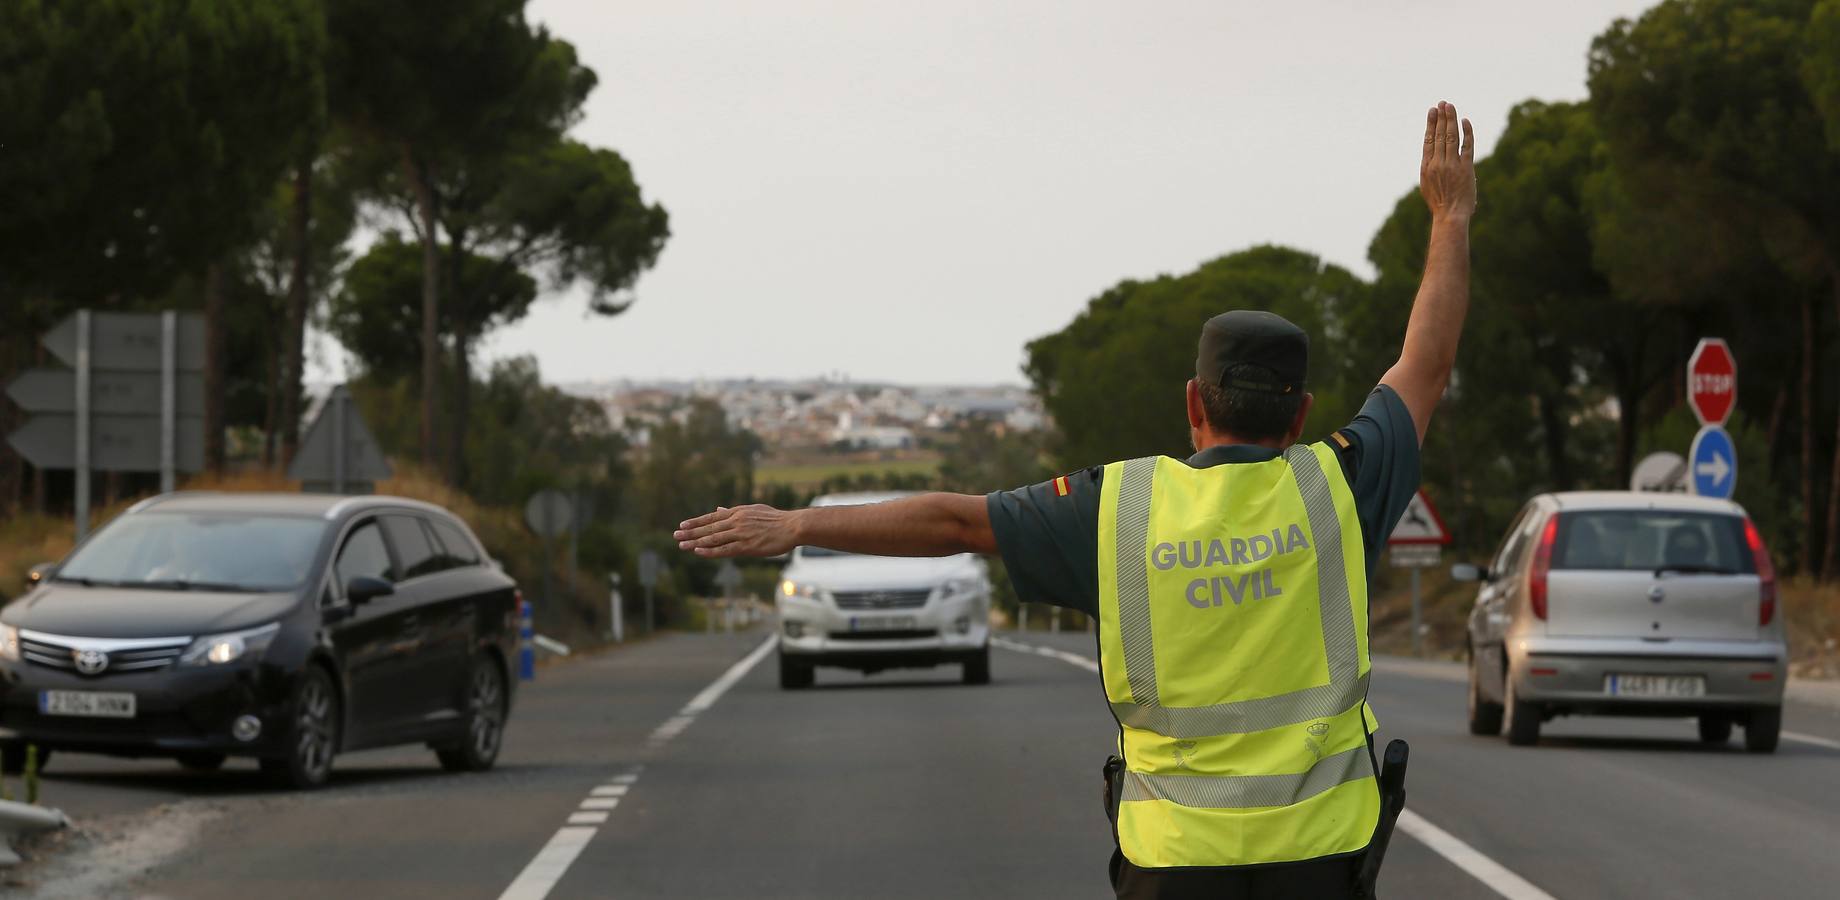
(1197, 414)
(1303, 412)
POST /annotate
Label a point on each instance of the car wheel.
(1484, 715)
(312, 736)
(1763, 729)
(977, 668)
(485, 720)
(203, 761)
(1714, 729)
(794, 675)
(1523, 718)
(13, 757)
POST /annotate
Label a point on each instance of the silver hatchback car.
(1627, 604)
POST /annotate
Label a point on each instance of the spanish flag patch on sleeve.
(1061, 487)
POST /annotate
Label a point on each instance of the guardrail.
(20, 819)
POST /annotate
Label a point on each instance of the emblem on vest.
(1258, 584)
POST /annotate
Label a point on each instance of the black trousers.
(1322, 879)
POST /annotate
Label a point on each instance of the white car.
(878, 612)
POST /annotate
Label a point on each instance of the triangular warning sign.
(1420, 524)
(338, 426)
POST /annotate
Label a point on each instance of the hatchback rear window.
(1651, 539)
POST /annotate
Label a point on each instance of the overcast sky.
(911, 191)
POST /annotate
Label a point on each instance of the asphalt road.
(646, 773)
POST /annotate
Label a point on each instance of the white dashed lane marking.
(553, 861)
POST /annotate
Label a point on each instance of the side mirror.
(40, 573)
(364, 589)
(1468, 572)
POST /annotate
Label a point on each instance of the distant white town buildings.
(819, 413)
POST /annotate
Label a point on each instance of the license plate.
(1655, 685)
(881, 623)
(95, 704)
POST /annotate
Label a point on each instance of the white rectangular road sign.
(1415, 556)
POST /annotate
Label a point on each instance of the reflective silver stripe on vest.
(1250, 791)
(1334, 607)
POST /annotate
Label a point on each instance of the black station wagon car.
(286, 627)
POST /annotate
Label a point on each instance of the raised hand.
(755, 530)
(1447, 171)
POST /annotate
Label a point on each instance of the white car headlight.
(217, 649)
(959, 587)
(801, 590)
(9, 643)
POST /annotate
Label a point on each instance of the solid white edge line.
(538, 878)
(735, 673)
(1491, 873)
(1050, 652)
(1811, 739)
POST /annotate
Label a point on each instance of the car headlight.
(959, 587)
(9, 643)
(802, 590)
(218, 649)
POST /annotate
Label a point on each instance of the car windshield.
(198, 551)
(816, 552)
(1653, 540)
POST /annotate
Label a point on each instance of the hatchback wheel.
(1523, 718)
(1484, 714)
(485, 720)
(1763, 729)
(312, 737)
(1714, 729)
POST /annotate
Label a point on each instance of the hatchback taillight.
(1542, 563)
(1766, 574)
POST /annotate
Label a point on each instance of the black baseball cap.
(1253, 350)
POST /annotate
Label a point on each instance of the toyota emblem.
(91, 662)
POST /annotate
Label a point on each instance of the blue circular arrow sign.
(1713, 463)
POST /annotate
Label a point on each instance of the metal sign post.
(549, 513)
(616, 614)
(169, 398)
(82, 430)
(648, 577)
(1417, 541)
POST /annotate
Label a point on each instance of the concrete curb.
(23, 818)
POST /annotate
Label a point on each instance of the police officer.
(1230, 588)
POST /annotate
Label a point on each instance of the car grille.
(59, 655)
(881, 599)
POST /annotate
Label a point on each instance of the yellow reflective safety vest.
(1233, 647)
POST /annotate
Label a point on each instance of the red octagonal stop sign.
(1712, 381)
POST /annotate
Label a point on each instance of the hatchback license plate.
(94, 704)
(881, 623)
(1655, 685)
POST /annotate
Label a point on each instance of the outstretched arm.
(925, 525)
(1447, 180)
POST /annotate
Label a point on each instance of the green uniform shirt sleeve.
(1381, 461)
(1050, 542)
